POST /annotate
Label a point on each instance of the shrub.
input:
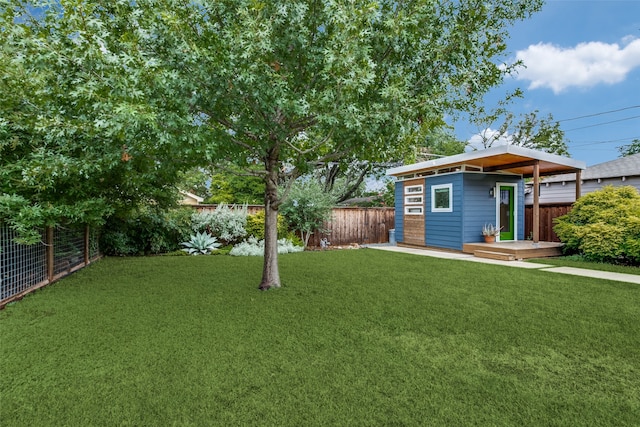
(146, 231)
(255, 226)
(226, 223)
(118, 241)
(201, 244)
(307, 208)
(604, 226)
(255, 247)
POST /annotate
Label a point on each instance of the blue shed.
(445, 203)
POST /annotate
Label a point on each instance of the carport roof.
(504, 158)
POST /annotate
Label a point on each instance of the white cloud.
(585, 65)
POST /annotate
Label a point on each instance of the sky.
(582, 66)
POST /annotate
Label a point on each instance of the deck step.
(494, 255)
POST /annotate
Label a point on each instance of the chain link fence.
(25, 268)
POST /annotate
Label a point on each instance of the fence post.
(49, 253)
(86, 245)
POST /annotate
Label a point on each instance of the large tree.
(440, 142)
(286, 84)
(84, 132)
(630, 149)
(531, 130)
(346, 179)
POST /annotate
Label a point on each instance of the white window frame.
(413, 190)
(414, 210)
(413, 200)
(434, 188)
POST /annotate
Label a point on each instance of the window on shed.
(413, 210)
(413, 189)
(442, 198)
(413, 200)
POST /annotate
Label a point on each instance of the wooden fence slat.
(547, 214)
(356, 225)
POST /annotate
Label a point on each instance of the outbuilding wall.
(480, 206)
(409, 227)
(472, 207)
(444, 229)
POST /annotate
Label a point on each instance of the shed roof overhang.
(504, 158)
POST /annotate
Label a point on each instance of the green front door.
(507, 212)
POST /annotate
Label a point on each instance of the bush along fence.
(25, 268)
(348, 225)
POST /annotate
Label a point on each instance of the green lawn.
(360, 337)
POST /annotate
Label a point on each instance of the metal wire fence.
(68, 248)
(21, 266)
(25, 268)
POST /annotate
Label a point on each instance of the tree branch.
(350, 190)
(312, 148)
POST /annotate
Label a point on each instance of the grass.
(578, 261)
(359, 337)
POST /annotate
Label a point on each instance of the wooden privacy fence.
(348, 225)
(356, 225)
(25, 268)
(547, 215)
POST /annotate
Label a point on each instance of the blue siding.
(520, 229)
(480, 207)
(399, 206)
(472, 208)
(444, 229)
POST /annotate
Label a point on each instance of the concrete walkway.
(606, 275)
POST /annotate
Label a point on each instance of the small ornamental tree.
(604, 225)
(307, 208)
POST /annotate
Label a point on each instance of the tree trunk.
(270, 272)
(306, 235)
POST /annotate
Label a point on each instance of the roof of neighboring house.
(625, 166)
(192, 196)
(503, 158)
(356, 200)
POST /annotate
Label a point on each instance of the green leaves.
(84, 120)
(604, 225)
(630, 149)
(307, 207)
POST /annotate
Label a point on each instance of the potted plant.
(489, 231)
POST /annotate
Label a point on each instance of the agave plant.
(201, 243)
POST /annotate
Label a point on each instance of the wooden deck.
(509, 251)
